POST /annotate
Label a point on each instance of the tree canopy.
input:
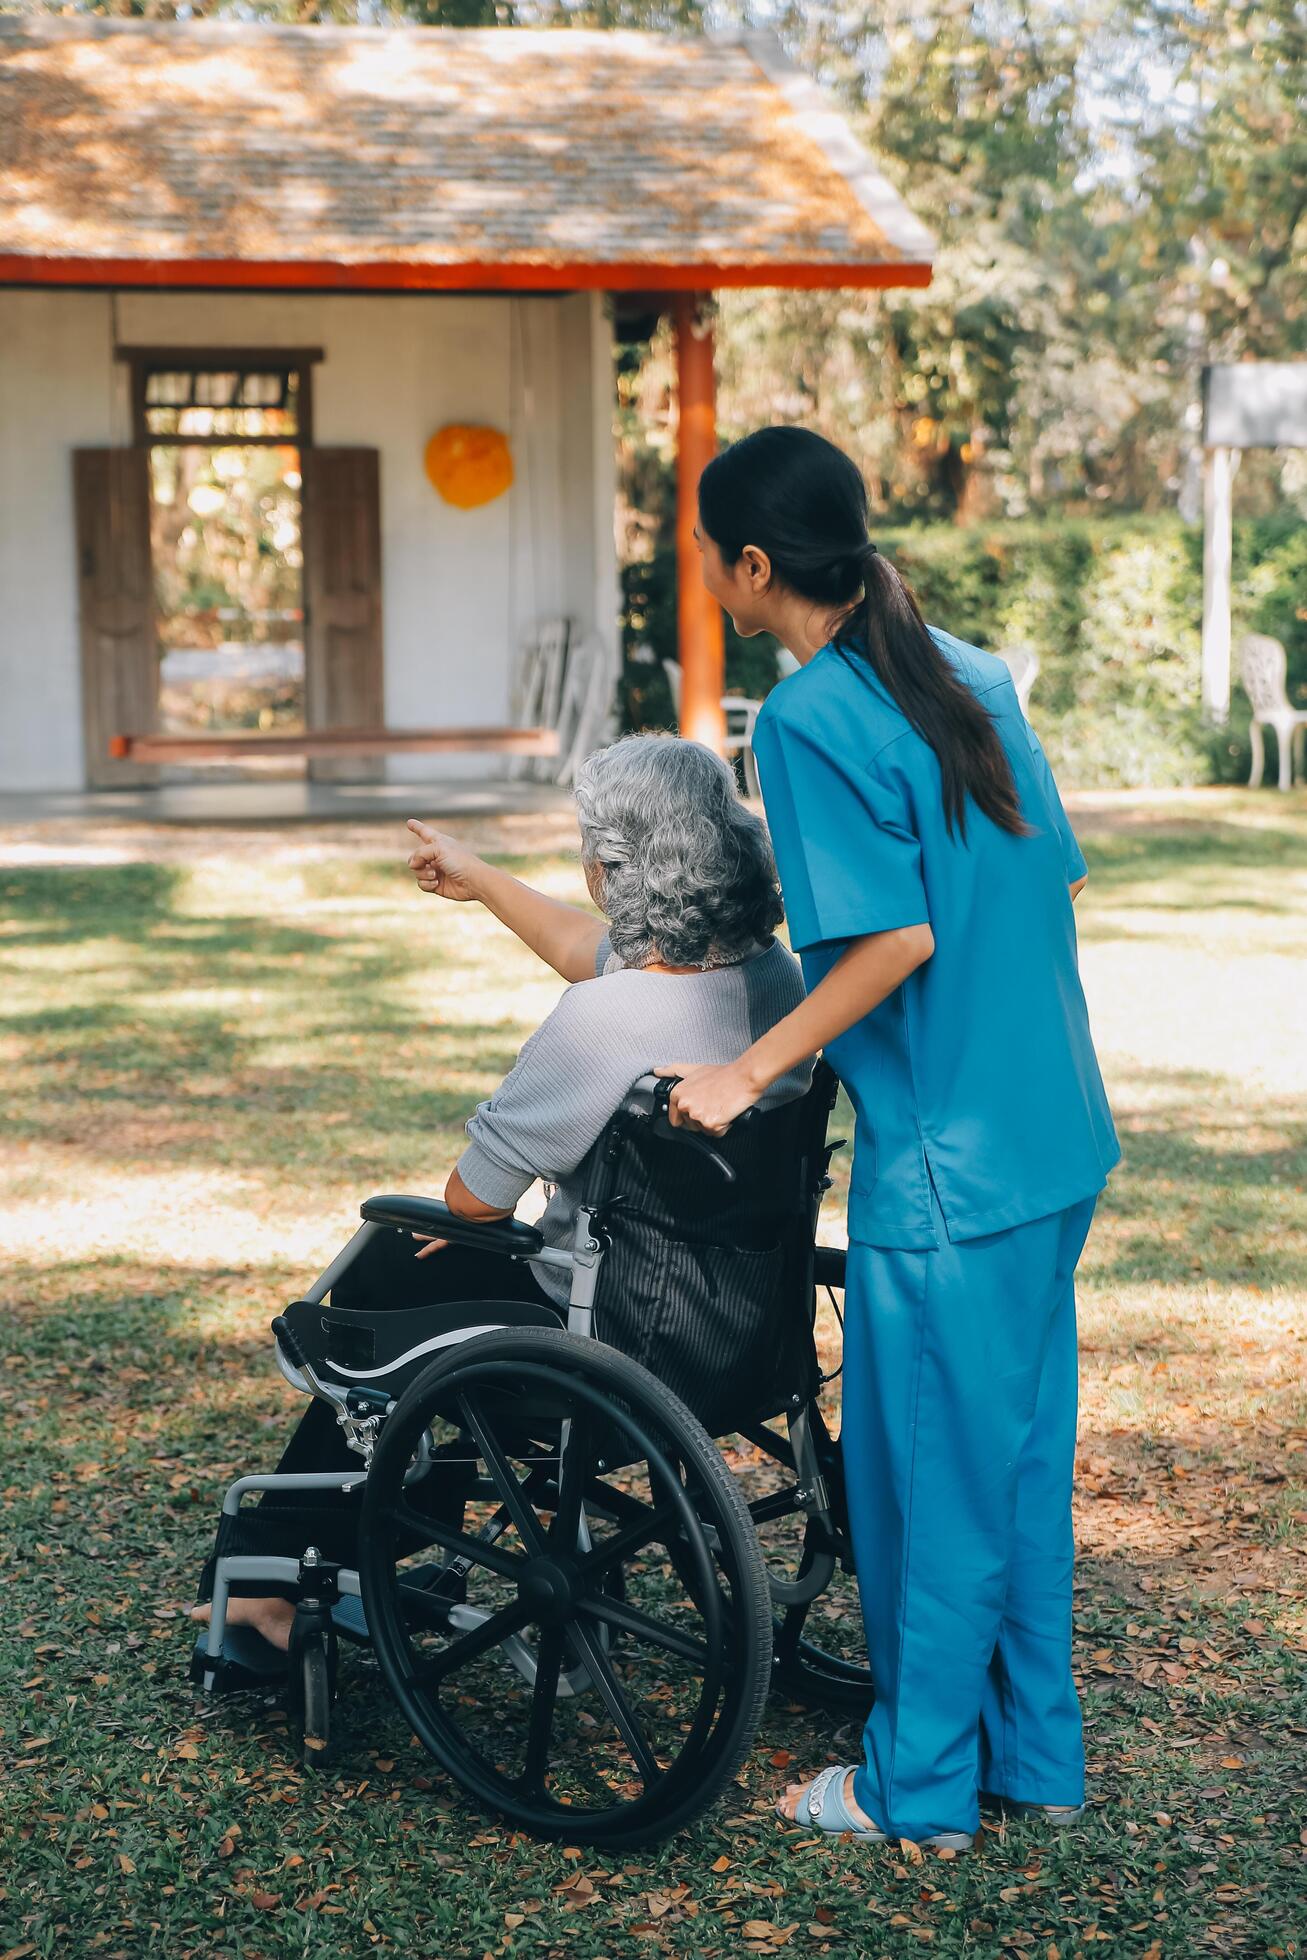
(1118, 188)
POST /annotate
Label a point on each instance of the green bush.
(1113, 609)
(1113, 616)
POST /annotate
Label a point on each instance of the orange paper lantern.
(469, 465)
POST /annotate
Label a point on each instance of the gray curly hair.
(686, 873)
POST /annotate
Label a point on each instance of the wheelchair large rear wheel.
(588, 1652)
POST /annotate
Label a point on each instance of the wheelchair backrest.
(756, 1184)
(708, 1280)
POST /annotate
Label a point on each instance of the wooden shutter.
(342, 590)
(120, 658)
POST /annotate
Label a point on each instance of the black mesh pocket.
(715, 1323)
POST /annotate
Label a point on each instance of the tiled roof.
(420, 156)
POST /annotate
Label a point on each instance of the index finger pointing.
(416, 825)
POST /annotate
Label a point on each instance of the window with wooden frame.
(218, 396)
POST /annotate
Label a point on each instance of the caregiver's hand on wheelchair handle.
(709, 1096)
(442, 865)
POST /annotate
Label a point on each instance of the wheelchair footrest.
(429, 1585)
(247, 1661)
(350, 1621)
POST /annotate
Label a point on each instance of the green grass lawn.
(215, 1043)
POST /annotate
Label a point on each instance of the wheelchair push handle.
(289, 1345)
(285, 1337)
(647, 1101)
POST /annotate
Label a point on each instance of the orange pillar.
(698, 616)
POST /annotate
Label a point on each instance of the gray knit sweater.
(570, 1077)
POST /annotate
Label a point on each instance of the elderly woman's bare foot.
(272, 1618)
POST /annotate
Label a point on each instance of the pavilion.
(338, 242)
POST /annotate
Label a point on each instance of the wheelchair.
(578, 1607)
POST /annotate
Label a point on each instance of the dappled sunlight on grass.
(216, 1044)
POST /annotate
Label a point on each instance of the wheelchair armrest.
(431, 1216)
(828, 1265)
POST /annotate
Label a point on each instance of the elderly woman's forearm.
(563, 936)
(863, 976)
(467, 1205)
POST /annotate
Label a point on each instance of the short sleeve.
(848, 856)
(1072, 855)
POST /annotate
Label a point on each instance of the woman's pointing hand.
(441, 864)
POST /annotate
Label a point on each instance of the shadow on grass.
(1202, 1209)
(79, 898)
(123, 1059)
(1188, 859)
(191, 1078)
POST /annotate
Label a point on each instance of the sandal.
(822, 1807)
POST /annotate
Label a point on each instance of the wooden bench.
(316, 743)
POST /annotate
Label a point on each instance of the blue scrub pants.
(959, 1441)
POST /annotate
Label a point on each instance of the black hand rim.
(533, 1808)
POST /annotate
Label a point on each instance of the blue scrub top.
(979, 1072)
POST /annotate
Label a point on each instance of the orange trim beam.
(223, 275)
(700, 633)
(316, 742)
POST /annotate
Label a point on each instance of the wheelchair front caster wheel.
(311, 1692)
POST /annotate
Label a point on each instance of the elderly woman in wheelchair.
(504, 1482)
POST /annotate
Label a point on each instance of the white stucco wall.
(460, 588)
(56, 392)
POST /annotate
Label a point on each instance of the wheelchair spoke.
(432, 1669)
(572, 1483)
(479, 1550)
(632, 1538)
(516, 1501)
(585, 1647)
(549, 1661)
(614, 1699)
(645, 1627)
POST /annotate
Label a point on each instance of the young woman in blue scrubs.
(928, 870)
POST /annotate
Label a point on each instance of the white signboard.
(1255, 405)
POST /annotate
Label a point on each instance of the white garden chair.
(741, 713)
(1023, 663)
(1262, 668)
(537, 690)
(585, 708)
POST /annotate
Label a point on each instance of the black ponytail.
(797, 497)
